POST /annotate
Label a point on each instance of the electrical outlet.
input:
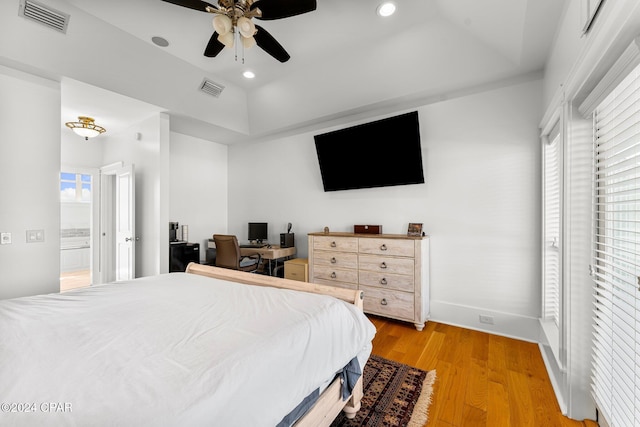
(486, 319)
(5, 238)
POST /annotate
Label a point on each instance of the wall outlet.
(486, 319)
(5, 238)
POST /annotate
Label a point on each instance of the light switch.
(5, 238)
(34, 236)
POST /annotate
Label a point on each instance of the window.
(75, 187)
(552, 239)
(616, 254)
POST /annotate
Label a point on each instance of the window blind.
(551, 216)
(616, 254)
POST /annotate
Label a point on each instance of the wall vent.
(211, 88)
(44, 15)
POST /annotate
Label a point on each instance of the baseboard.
(505, 324)
(557, 377)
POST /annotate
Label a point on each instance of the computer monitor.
(258, 232)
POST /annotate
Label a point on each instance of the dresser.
(391, 269)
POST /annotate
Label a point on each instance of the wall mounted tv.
(383, 153)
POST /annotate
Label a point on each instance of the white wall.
(29, 172)
(480, 203)
(198, 187)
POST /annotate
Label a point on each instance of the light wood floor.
(482, 379)
(74, 279)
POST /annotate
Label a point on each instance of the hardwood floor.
(482, 379)
(74, 279)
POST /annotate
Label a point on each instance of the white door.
(119, 222)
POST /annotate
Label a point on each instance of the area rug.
(394, 395)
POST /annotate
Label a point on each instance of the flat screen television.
(382, 153)
(258, 232)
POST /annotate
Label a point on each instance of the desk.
(274, 253)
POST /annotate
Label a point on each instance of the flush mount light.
(249, 74)
(386, 9)
(86, 127)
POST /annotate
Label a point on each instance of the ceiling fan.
(233, 18)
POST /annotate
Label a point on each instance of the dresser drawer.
(340, 244)
(399, 282)
(336, 259)
(386, 264)
(393, 247)
(336, 284)
(334, 274)
(395, 304)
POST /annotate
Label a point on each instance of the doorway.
(77, 218)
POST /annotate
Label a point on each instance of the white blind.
(551, 216)
(616, 254)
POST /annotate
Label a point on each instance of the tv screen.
(383, 153)
(258, 232)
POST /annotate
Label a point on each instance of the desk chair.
(228, 254)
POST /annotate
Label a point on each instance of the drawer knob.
(383, 247)
(333, 260)
(384, 301)
(333, 275)
(333, 244)
(383, 265)
(383, 281)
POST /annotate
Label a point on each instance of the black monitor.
(258, 232)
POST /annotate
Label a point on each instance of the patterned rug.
(394, 395)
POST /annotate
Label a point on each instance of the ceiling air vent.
(44, 15)
(211, 88)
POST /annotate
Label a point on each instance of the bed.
(205, 347)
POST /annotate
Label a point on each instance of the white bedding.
(175, 349)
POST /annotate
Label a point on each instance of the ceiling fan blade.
(214, 47)
(278, 9)
(270, 45)
(192, 4)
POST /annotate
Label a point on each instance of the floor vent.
(211, 88)
(44, 15)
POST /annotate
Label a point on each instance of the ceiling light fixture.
(386, 9)
(86, 127)
(249, 74)
(160, 41)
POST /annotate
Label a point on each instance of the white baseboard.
(506, 324)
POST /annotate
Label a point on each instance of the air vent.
(211, 88)
(44, 15)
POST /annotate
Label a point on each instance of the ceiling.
(345, 59)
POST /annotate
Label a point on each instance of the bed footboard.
(330, 404)
(354, 297)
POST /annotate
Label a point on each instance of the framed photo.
(415, 229)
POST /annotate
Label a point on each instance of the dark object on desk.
(253, 245)
(181, 254)
(228, 254)
(367, 229)
(173, 231)
(287, 240)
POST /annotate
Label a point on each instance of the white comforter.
(175, 349)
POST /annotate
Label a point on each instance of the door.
(118, 222)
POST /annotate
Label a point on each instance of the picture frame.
(415, 229)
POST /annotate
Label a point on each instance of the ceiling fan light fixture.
(226, 39)
(222, 24)
(386, 9)
(246, 27)
(85, 127)
(248, 42)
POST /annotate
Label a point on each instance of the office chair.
(228, 254)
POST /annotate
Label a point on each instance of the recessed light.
(386, 9)
(248, 74)
(160, 41)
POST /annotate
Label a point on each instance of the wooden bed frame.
(330, 402)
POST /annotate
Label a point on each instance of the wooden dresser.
(391, 269)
